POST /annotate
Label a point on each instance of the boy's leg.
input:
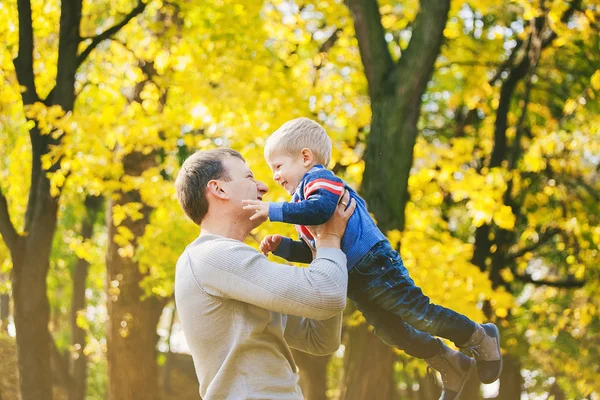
(454, 367)
(394, 331)
(384, 281)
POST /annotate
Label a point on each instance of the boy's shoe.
(484, 345)
(455, 368)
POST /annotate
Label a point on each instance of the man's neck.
(225, 226)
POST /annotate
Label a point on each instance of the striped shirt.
(313, 203)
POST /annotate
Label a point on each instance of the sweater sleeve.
(234, 270)
(294, 251)
(321, 193)
(314, 337)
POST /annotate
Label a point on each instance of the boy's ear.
(216, 189)
(307, 156)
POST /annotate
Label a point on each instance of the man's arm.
(294, 250)
(314, 337)
(321, 195)
(229, 269)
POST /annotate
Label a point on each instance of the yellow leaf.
(507, 275)
(596, 80)
(501, 312)
(504, 217)
(570, 106)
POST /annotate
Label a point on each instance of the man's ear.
(216, 189)
(307, 156)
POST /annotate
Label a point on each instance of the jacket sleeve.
(321, 195)
(294, 251)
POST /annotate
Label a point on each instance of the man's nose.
(261, 187)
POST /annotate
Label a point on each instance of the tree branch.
(424, 45)
(324, 48)
(376, 57)
(567, 283)
(24, 60)
(7, 229)
(466, 63)
(110, 31)
(37, 149)
(544, 237)
(63, 93)
(328, 44)
(574, 6)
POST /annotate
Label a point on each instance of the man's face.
(242, 185)
(287, 171)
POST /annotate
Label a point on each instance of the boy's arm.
(322, 194)
(294, 251)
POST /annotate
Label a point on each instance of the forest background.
(472, 129)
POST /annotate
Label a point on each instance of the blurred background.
(472, 129)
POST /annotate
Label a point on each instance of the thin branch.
(507, 63)
(7, 229)
(468, 64)
(110, 31)
(544, 237)
(567, 283)
(328, 44)
(574, 6)
(324, 48)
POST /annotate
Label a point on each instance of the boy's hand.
(261, 209)
(270, 243)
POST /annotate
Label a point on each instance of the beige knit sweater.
(241, 313)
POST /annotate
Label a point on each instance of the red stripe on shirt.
(337, 189)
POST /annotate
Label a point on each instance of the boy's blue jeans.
(381, 288)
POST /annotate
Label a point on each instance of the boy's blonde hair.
(297, 134)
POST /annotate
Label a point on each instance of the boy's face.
(288, 171)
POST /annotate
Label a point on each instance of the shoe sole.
(469, 373)
(495, 328)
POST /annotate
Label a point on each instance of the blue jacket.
(313, 203)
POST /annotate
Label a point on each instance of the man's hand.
(260, 208)
(270, 243)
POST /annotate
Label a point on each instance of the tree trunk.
(395, 90)
(511, 381)
(557, 392)
(78, 360)
(368, 367)
(169, 356)
(472, 389)
(313, 374)
(429, 389)
(31, 261)
(131, 336)
(30, 253)
(4, 312)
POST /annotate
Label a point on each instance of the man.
(240, 312)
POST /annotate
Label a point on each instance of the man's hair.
(200, 168)
(297, 134)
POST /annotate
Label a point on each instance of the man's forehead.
(234, 164)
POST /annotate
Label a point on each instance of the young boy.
(379, 284)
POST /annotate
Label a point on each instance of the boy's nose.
(276, 177)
